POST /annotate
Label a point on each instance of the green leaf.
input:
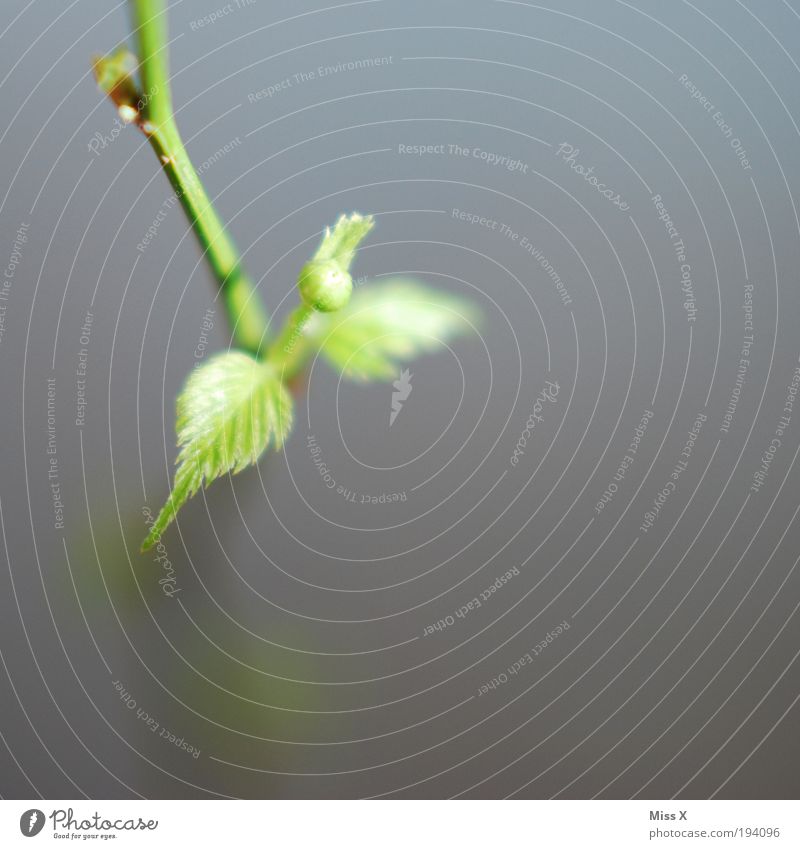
(386, 324)
(229, 411)
(340, 244)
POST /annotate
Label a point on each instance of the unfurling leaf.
(325, 283)
(227, 414)
(386, 324)
(340, 244)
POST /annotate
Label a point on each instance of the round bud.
(325, 285)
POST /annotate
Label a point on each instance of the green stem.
(292, 346)
(244, 309)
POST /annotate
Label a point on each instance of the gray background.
(294, 655)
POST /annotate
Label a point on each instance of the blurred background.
(610, 611)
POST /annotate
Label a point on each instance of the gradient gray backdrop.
(294, 655)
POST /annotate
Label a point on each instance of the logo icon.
(31, 822)
(402, 387)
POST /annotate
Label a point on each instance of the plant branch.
(245, 312)
(292, 347)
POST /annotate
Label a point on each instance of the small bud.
(116, 76)
(129, 114)
(325, 285)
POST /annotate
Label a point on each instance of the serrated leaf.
(228, 412)
(386, 324)
(340, 243)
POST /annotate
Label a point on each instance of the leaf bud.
(325, 285)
